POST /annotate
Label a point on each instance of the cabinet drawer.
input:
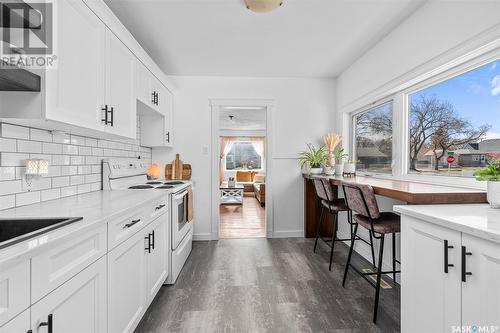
(125, 226)
(14, 291)
(57, 265)
(158, 207)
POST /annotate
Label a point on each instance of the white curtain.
(226, 144)
(258, 145)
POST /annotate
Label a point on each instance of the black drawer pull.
(464, 264)
(128, 225)
(47, 323)
(159, 207)
(153, 242)
(446, 248)
(149, 243)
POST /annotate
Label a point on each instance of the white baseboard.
(202, 237)
(288, 234)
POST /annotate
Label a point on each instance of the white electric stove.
(131, 174)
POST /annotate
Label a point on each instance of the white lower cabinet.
(14, 290)
(450, 281)
(19, 324)
(481, 289)
(79, 305)
(136, 271)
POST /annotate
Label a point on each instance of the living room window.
(245, 155)
(373, 139)
(455, 124)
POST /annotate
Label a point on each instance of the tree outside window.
(243, 156)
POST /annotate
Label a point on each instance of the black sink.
(13, 231)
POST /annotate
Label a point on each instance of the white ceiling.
(304, 38)
(251, 119)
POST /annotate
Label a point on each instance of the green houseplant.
(340, 157)
(491, 174)
(313, 158)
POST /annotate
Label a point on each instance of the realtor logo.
(27, 34)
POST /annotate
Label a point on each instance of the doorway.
(241, 182)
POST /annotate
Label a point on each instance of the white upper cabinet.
(120, 106)
(75, 89)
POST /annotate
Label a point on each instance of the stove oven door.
(180, 225)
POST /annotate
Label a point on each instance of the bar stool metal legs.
(321, 216)
(379, 276)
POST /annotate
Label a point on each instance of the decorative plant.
(492, 171)
(340, 156)
(331, 141)
(313, 157)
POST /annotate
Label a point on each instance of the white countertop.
(479, 220)
(96, 208)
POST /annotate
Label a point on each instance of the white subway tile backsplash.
(74, 163)
(51, 148)
(7, 201)
(68, 191)
(14, 131)
(51, 194)
(27, 198)
(7, 173)
(68, 170)
(25, 146)
(70, 149)
(8, 145)
(60, 181)
(10, 187)
(13, 159)
(40, 135)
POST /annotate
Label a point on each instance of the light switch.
(205, 150)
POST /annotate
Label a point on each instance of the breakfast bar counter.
(413, 193)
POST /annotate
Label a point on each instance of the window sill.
(469, 183)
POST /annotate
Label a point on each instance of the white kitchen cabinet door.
(79, 305)
(156, 257)
(481, 289)
(430, 297)
(19, 324)
(14, 290)
(75, 89)
(120, 88)
(127, 284)
(143, 87)
(166, 108)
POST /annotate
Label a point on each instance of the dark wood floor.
(275, 285)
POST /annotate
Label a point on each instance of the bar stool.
(361, 200)
(326, 199)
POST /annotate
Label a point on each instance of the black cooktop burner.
(154, 183)
(174, 182)
(140, 187)
(165, 186)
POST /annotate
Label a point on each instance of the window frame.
(400, 108)
(262, 161)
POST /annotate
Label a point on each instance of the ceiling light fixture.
(263, 6)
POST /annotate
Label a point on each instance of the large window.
(455, 124)
(243, 156)
(373, 139)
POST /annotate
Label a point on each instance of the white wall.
(302, 113)
(435, 34)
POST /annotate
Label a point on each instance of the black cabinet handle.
(168, 137)
(464, 264)
(105, 109)
(47, 323)
(153, 97)
(128, 225)
(157, 98)
(446, 248)
(153, 242)
(149, 243)
(159, 207)
(112, 112)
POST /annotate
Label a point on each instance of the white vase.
(493, 194)
(350, 168)
(316, 171)
(339, 169)
(329, 170)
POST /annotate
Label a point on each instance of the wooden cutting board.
(178, 169)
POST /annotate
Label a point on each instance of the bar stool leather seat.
(387, 223)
